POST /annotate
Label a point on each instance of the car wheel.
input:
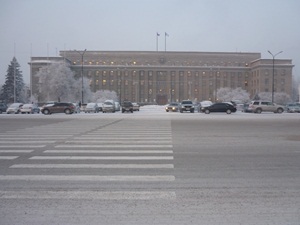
(67, 111)
(181, 111)
(46, 112)
(259, 110)
(279, 110)
(228, 111)
(167, 110)
(207, 111)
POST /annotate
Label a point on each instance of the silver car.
(30, 108)
(265, 106)
(14, 108)
(91, 107)
(108, 106)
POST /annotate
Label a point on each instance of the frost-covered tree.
(279, 97)
(13, 90)
(228, 94)
(101, 96)
(57, 83)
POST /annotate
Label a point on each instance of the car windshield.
(27, 105)
(187, 102)
(107, 103)
(91, 105)
(15, 105)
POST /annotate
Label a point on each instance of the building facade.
(160, 77)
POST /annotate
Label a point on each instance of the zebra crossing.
(132, 151)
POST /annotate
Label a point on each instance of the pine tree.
(13, 88)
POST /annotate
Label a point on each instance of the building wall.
(161, 77)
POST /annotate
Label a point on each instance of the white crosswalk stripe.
(102, 158)
(113, 146)
(94, 166)
(110, 151)
(93, 195)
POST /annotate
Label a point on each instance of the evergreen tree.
(13, 88)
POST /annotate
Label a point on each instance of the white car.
(136, 106)
(14, 108)
(30, 108)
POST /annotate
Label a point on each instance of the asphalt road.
(150, 167)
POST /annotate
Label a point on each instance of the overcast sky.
(44, 27)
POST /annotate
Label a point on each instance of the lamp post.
(273, 55)
(81, 54)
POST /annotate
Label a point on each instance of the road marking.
(35, 135)
(121, 138)
(102, 158)
(26, 142)
(8, 157)
(16, 151)
(114, 146)
(22, 146)
(107, 195)
(118, 142)
(85, 178)
(111, 151)
(28, 138)
(94, 166)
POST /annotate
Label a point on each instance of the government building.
(157, 77)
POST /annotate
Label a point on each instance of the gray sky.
(44, 27)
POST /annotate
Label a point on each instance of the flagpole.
(157, 35)
(166, 35)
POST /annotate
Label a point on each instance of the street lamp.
(273, 73)
(81, 54)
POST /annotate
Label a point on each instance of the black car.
(127, 106)
(219, 107)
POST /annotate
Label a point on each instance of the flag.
(157, 34)
(167, 35)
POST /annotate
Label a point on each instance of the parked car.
(30, 108)
(246, 108)
(203, 104)
(14, 108)
(100, 105)
(108, 106)
(3, 107)
(127, 107)
(58, 107)
(117, 106)
(186, 106)
(92, 107)
(293, 108)
(77, 108)
(173, 107)
(136, 106)
(219, 107)
(265, 106)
